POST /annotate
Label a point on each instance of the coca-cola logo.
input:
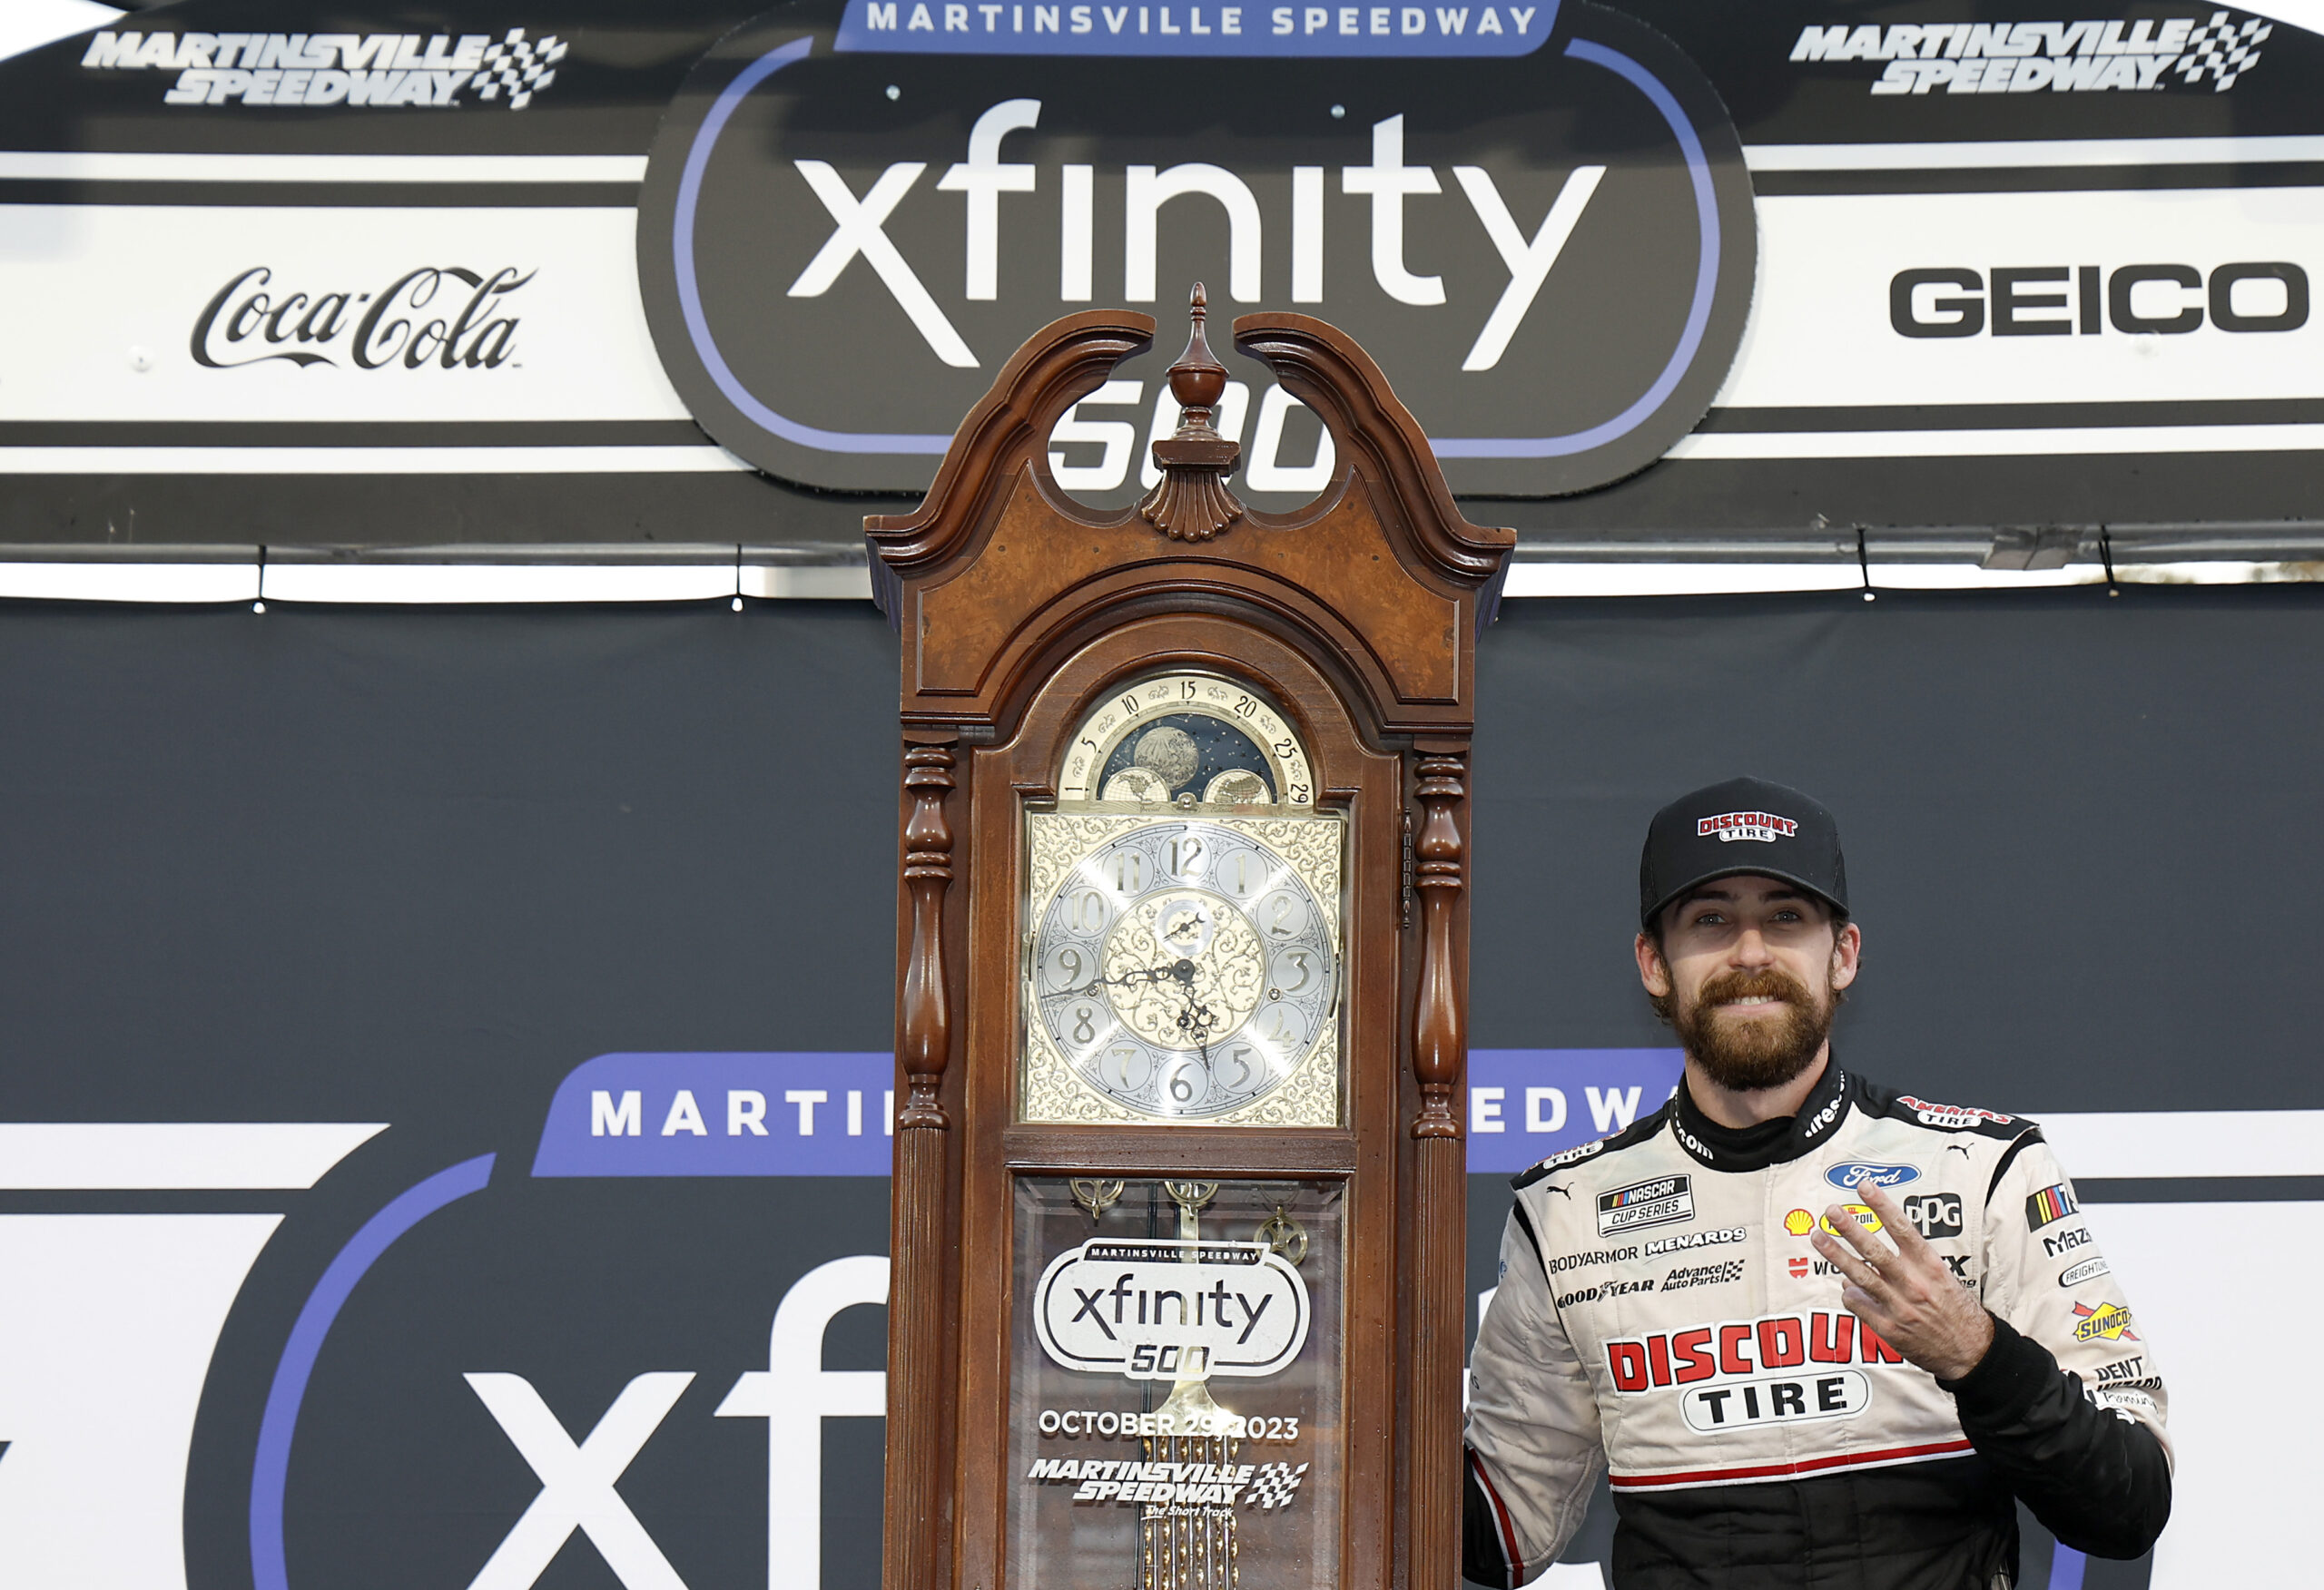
(445, 316)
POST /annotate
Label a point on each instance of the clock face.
(1184, 969)
(1187, 739)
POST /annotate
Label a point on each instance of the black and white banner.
(1681, 266)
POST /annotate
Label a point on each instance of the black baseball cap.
(1744, 825)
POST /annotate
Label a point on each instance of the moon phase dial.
(1187, 739)
(1181, 969)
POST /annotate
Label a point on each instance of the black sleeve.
(1483, 1561)
(2100, 1484)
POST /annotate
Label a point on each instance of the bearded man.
(1821, 1334)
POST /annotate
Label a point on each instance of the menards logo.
(331, 69)
(2098, 55)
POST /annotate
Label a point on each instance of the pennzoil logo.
(2207, 50)
(2106, 1322)
(1731, 826)
(308, 70)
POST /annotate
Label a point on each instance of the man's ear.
(1847, 951)
(1653, 970)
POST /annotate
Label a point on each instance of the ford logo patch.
(1846, 1176)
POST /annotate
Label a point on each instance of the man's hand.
(1904, 1293)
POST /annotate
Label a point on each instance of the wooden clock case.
(1019, 610)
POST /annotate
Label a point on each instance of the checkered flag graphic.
(521, 67)
(2222, 49)
(1274, 1484)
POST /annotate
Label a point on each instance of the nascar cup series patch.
(1664, 1201)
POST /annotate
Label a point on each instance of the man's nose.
(1751, 949)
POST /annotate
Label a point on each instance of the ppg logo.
(1934, 1215)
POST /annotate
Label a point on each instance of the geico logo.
(860, 222)
(2034, 301)
(417, 319)
(1776, 1401)
(1739, 1349)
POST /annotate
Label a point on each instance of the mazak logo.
(2209, 50)
(445, 316)
(311, 70)
(1731, 826)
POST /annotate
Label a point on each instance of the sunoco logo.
(2207, 51)
(445, 316)
(332, 69)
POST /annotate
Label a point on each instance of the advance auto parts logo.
(1542, 230)
(1156, 1311)
(331, 69)
(2209, 50)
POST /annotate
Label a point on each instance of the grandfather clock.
(1178, 1298)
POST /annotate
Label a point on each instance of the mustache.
(1767, 983)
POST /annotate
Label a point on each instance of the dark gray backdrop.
(414, 867)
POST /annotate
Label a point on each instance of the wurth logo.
(860, 222)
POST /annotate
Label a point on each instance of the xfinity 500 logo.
(331, 69)
(2208, 51)
(1535, 218)
(1162, 1310)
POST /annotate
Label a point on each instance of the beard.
(1747, 1056)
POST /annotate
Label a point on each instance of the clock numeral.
(1245, 705)
(1283, 915)
(1299, 794)
(1130, 1066)
(1283, 748)
(1185, 855)
(1130, 705)
(1130, 871)
(1085, 1022)
(1068, 968)
(1239, 1057)
(1086, 912)
(1282, 1025)
(1297, 959)
(1187, 686)
(1186, 1084)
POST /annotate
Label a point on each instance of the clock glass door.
(1175, 1419)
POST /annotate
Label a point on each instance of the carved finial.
(1191, 502)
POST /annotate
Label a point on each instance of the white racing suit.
(1662, 1315)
